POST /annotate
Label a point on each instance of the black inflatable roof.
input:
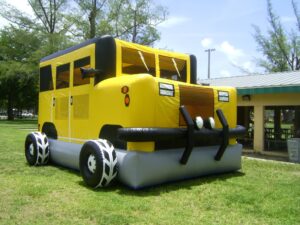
(75, 47)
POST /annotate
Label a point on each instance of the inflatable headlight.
(209, 123)
(199, 121)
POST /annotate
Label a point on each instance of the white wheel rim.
(92, 163)
(31, 149)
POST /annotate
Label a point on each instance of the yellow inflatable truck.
(111, 109)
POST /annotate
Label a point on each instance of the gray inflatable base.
(141, 169)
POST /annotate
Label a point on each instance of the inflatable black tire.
(37, 149)
(98, 163)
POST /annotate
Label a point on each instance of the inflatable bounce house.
(118, 110)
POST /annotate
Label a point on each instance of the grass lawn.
(263, 192)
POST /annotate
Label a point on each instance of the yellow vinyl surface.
(80, 112)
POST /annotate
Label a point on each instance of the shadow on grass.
(156, 190)
(66, 169)
(52, 165)
(121, 189)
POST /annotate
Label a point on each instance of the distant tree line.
(56, 25)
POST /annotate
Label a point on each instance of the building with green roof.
(268, 106)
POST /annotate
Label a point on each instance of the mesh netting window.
(81, 106)
(135, 61)
(46, 82)
(172, 68)
(84, 62)
(63, 76)
(62, 108)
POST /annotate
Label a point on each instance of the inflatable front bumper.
(138, 169)
(141, 169)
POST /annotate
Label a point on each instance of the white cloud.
(248, 66)
(225, 73)
(206, 42)
(237, 58)
(232, 53)
(21, 5)
(173, 21)
(288, 19)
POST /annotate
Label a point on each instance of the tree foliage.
(135, 21)
(52, 19)
(18, 68)
(57, 24)
(132, 20)
(49, 14)
(281, 49)
(93, 11)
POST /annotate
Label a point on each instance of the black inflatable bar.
(162, 134)
(190, 134)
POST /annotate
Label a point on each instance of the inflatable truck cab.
(108, 105)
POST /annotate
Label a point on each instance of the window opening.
(172, 68)
(46, 82)
(63, 76)
(135, 61)
(78, 80)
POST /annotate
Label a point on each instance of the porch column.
(258, 142)
(297, 122)
(277, 123)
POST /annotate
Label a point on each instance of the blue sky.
(226, 25)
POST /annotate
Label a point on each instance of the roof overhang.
(268, 90)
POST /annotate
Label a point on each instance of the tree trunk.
(92, 20)
(277, 123)
(10, 112)
(297, 122)
(134, 33)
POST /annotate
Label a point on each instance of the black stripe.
(73, 48)
(193, 63)
(82, 62)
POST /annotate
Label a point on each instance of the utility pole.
(208, 69)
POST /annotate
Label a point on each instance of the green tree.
(136, 20)
(132, 20)
(279, 48)
(93, 11)
(50, 20)
(18, 68)
(55, 26)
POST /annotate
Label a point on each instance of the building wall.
(259, 101)
(271, 99)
